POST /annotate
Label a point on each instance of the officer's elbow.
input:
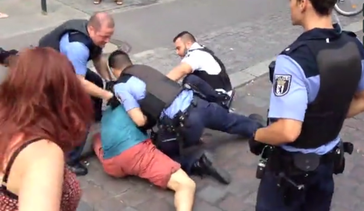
(138, 117)
(140, 122)
(291, 130)
(290, 137)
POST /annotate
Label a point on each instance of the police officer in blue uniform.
(82, 41)
(130, 90)
(318, 82)
(201, 69)
(149, 93)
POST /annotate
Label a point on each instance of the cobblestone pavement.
(102, 192)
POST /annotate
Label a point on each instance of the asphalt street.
(242, 32)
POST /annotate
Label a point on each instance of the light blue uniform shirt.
(134, 90)
(301, 91)
(119, 132)
(76, 52)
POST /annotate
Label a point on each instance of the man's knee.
(181, 181)
(191, 79)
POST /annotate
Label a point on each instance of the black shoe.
(204, 166)
(258, 118)
(78, 168)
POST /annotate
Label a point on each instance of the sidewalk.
(103, 193)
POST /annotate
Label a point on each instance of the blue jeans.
(317, 195)
(213, 116)
(201, 86)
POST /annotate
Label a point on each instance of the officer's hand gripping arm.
(94, 90)
(288, 104)
(78, 54)
(179, 72)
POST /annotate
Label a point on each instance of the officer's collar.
(195, 46)
(320, 34)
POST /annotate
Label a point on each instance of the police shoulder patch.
(282, 84)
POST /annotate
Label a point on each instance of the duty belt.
(178, 121)
(305, 163)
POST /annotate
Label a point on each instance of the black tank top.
(3, 187)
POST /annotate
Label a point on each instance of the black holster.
(176, 124)
(339, 159)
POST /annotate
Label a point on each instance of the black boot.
(204, 166)
(78, 168)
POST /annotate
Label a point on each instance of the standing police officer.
(201, 69)
(82, 41)
(318, 81)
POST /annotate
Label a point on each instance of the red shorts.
(143, 160)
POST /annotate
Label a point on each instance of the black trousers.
(97, 103)
(75, 155)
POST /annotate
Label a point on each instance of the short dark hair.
(185, 36)
(323, 7)
(119, 59)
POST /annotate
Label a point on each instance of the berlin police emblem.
(282, 84)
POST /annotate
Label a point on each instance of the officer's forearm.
(275, 134)
(140, 122)
(175, 75)
(101, 68)
(94, 90)
(356, 107)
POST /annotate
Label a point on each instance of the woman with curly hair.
(44, 113)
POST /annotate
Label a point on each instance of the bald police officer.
(82, 41)
(202, 69)
(318, 81)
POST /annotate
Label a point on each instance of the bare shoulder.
(42, 152)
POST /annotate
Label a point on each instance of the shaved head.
(183, 41)
(185, 37)
(100, 28)
(101, 19)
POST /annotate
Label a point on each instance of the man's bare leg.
(184, 188)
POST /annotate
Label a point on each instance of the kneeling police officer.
(202, 69)
(131, 91)
(318, 82)
(145, 92)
